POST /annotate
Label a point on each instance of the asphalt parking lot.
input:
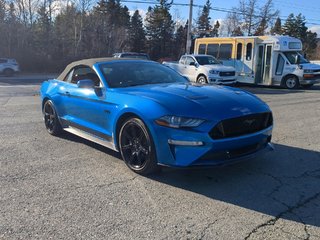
(68, 188)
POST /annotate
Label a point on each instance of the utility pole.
(189, 28)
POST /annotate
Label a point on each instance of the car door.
(86, 108)
(191, 69)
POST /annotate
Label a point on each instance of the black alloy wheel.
(51, 120)
(137, 147)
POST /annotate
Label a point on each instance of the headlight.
(308, 71)
(214, 72)
(178, 122)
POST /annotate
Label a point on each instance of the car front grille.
(243, 125)
(227, 74)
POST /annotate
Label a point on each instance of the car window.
(69, 76)
(81, 73)
(183, 60)
(3, 60)
(207, 60)
(127, 74)
(189, 60)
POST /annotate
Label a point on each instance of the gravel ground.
(68, 188)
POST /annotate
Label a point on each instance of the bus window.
(280, 65)
(249, 52)
(225, 51)
(239, 51)
(202, 49)
(213, 49)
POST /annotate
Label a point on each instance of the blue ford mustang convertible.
(154, 116)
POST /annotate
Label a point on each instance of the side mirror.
(86, 83)
(192, 64)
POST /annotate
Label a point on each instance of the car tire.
(137, 147)
(202, 80)
(291, 82)
(307, 85)
(51, 120)
(8, 72)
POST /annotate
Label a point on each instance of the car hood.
(219, 67)
(311, 66)
(207, 102)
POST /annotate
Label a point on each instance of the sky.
(309, 8)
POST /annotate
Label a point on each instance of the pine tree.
(12, 28)
(301, 27)
(260, 31)
(137, 35)
(65, 31)
(111, 21)
(159, 29)
(310, 43)
(237, 32)
(277, 29)
(2, 11)
(289, 27)
(203, 23)
(2, 26)
(296, 27)
(215, 30)
(42, 29)
(180, 40)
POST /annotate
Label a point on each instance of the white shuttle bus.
(264, 60)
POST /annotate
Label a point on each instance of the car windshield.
(134, 73)
(206, 60)
(291, 56)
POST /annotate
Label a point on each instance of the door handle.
(68, 93)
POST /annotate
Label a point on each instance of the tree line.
(45, 35)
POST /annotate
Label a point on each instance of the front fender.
(148, 114)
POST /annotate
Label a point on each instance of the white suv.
(8, 66)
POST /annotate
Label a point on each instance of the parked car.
(154, 116)
(8, 66)
(144, 56)
(203, 69)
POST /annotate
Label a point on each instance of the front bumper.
(216, 79)
(305, 81)
(201, 150)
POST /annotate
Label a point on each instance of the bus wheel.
(202, 80)
(291, 82)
